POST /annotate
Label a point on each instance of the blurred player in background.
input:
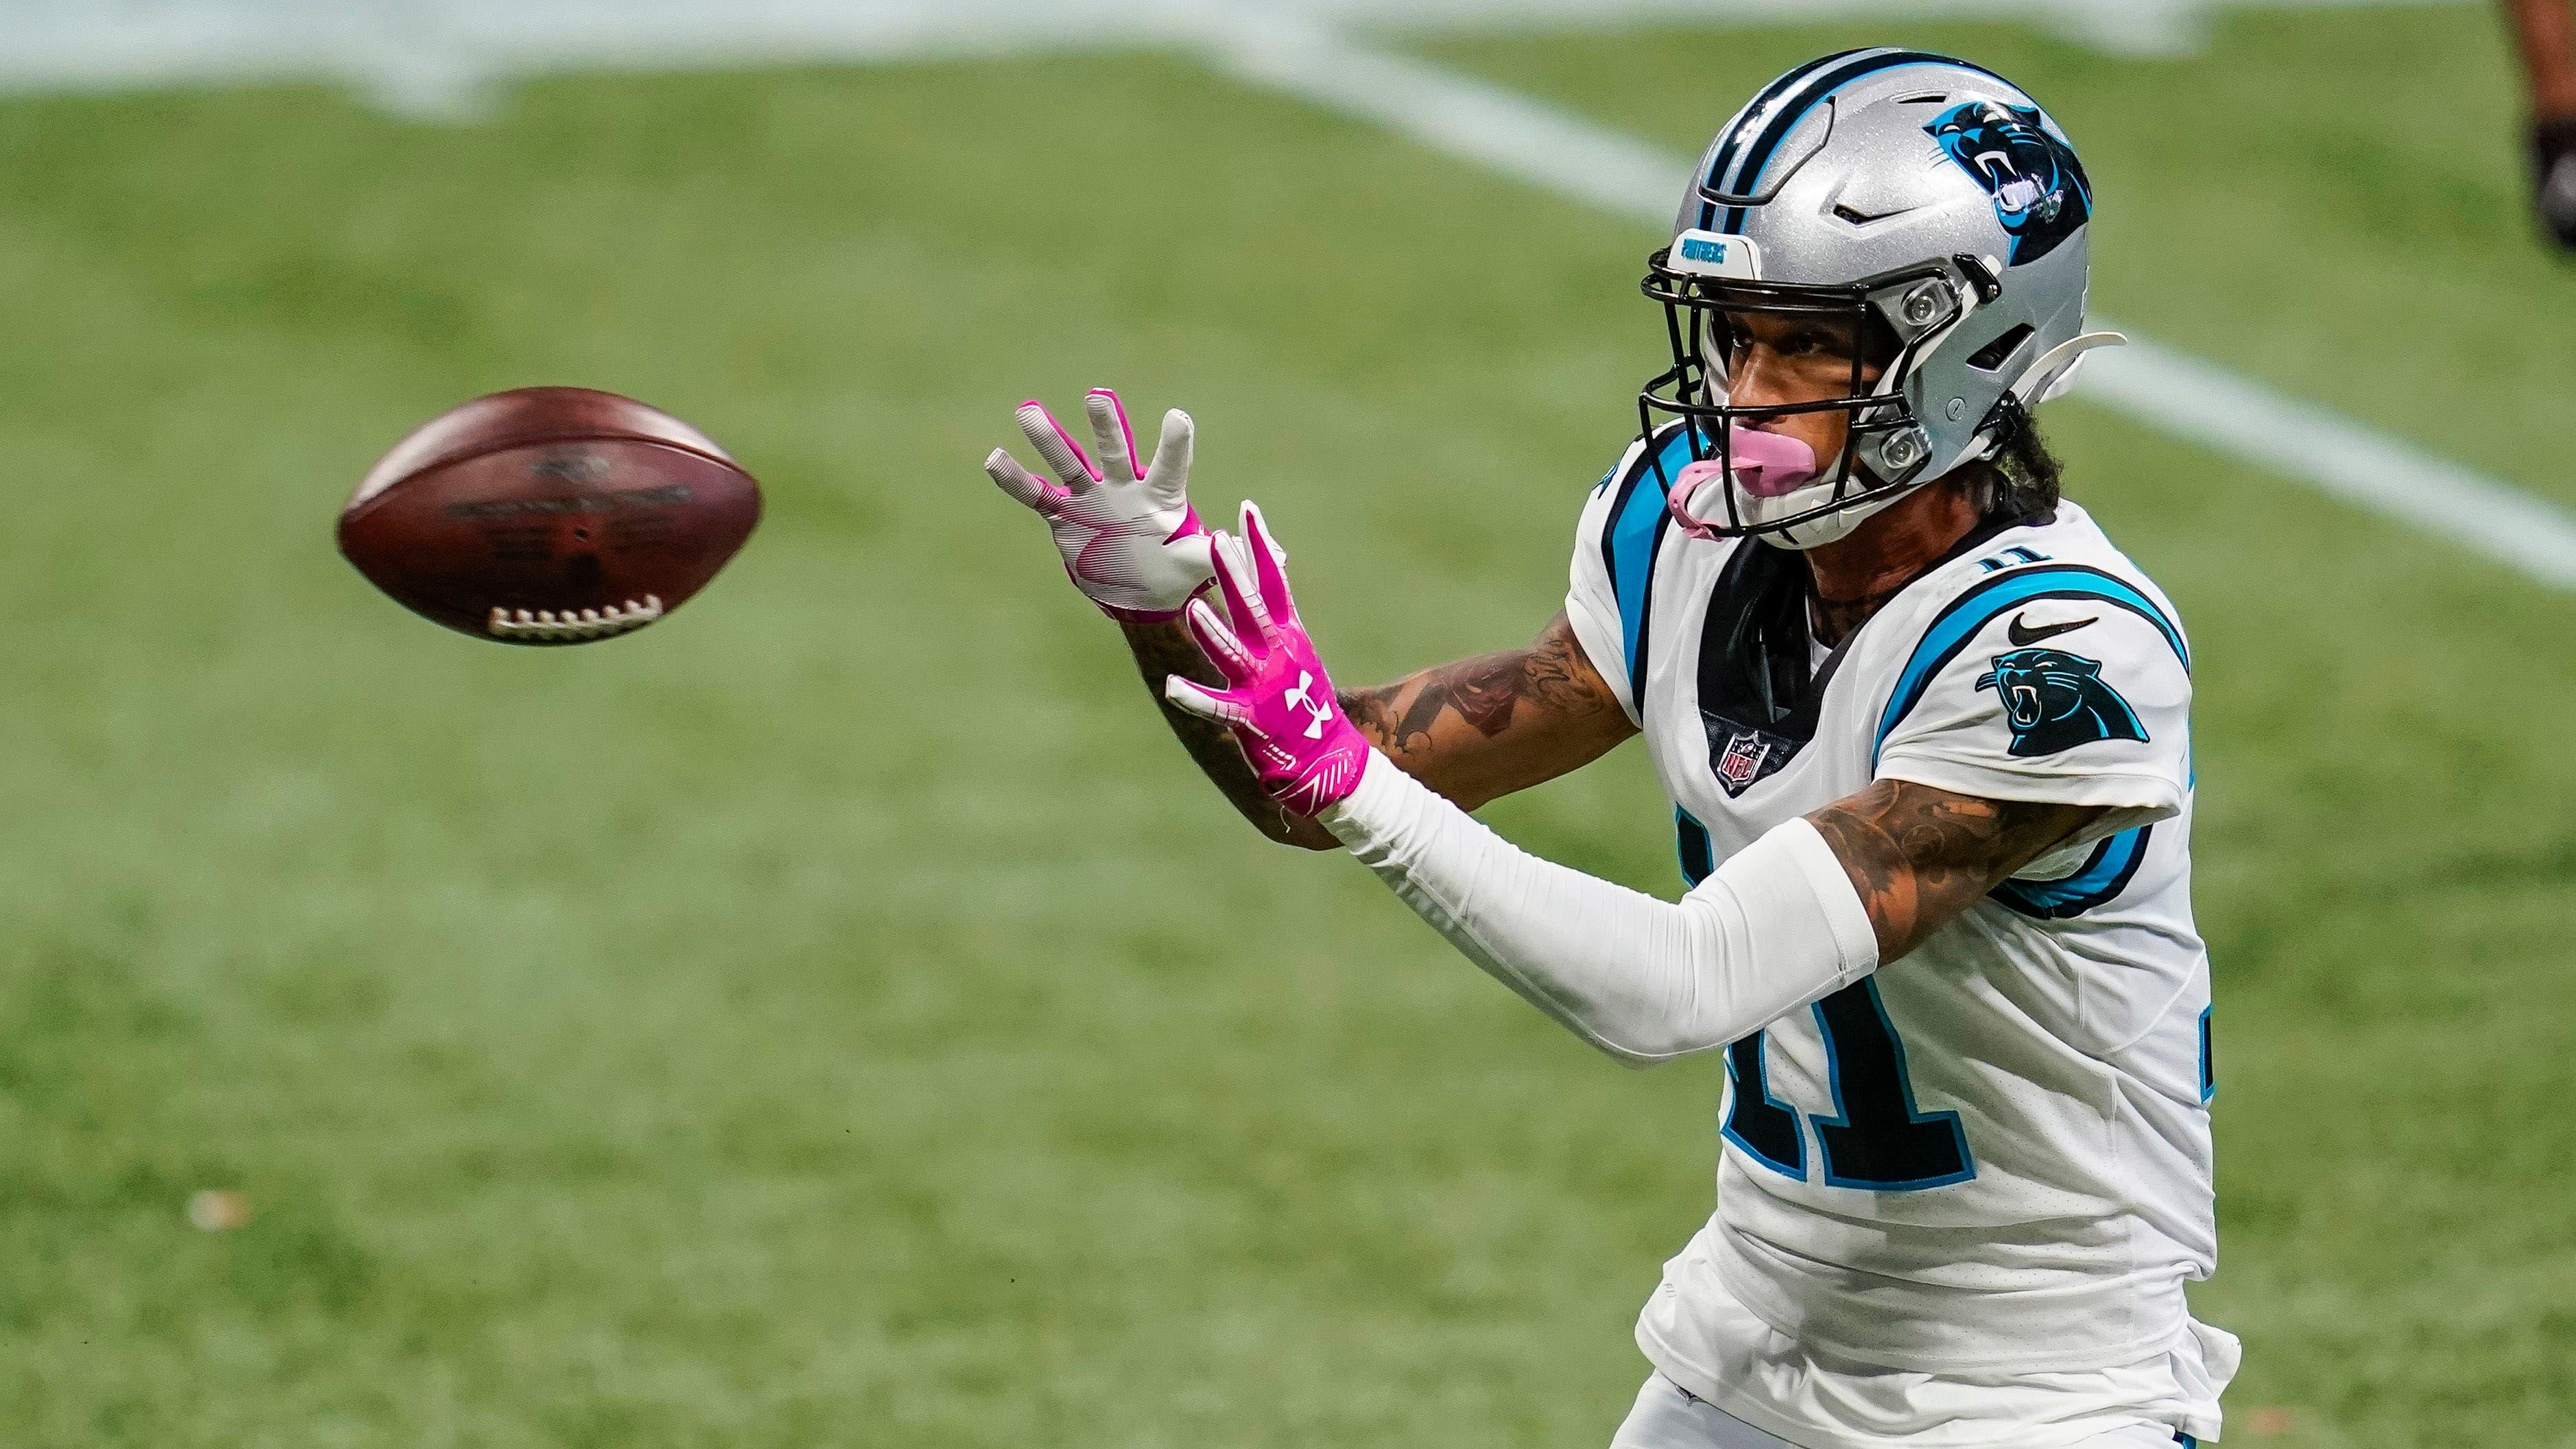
(2546, 33)
(1926, 734)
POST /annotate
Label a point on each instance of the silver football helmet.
(1926, 204)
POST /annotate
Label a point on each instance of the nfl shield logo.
(1742, 762)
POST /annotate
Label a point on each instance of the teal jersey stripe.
(1972, 611)
(1628, 546)
(2105, 873)
(2208, 1063)
(1690, 841)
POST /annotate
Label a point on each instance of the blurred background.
(840, 1015)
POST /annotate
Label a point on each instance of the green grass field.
(839, 1015)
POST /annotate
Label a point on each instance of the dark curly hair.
(2023, 479)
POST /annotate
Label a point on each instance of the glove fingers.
(1270, 564)
(1110, 432)
(1242, 589)
(1220, 644)
(1188, 698)
(1025, 488)
(1063, 456)
(1168, 480)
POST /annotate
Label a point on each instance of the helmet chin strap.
(1816, 533)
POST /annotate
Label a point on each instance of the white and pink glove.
(1278, 701)
(1131, 541)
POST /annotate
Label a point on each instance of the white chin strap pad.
(1817, 532)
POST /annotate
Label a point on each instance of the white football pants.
(1668, 1417)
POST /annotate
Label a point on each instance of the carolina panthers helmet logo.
(2040, 191)
(2055, 701)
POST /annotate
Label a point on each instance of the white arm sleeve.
(1777, 926)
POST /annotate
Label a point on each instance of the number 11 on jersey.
(1877, 1139)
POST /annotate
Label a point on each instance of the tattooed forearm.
(1552, 674)
(1474, 730)
(1481, 691)
(1920, 856)
(1163, 650)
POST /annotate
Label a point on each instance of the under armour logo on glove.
(1303, 749)
(1301, 696)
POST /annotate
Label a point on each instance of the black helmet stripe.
(1855, 65)
(1779, 107)
(1729, 143)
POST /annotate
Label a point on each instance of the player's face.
(1773, 359)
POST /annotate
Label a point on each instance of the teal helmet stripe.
(1729, 142)
(1817, 78)
(1855, 66)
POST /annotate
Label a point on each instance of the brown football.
(549, 515)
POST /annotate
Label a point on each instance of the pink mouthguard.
(1767, 465)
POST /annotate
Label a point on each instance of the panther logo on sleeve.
(2055, 701)
(2040, 190)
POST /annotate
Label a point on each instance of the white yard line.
(2201, 402)
(1498, 128)
(435, 57)
(49, 45)
(2236, 417)
(2149, 27)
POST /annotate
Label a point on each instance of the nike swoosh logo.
(2023, 637)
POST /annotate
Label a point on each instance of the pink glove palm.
(1278, 701)
(1129, 538)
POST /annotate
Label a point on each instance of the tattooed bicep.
(1920, 856)
(1561, 675)
(1552, 677)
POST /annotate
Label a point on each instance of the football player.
(1926, 733)
(2545, 33)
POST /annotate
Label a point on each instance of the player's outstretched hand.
(1278, 701)
(1130, 539)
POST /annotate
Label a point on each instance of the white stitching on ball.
(589, 624)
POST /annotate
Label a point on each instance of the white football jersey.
(1993, 1155)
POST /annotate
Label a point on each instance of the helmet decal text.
(1716, 254)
